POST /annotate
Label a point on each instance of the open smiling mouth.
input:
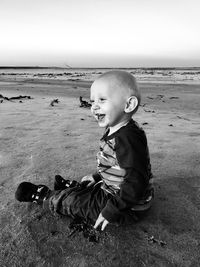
(99, 117)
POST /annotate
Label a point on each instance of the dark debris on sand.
(14, 97)
(54, 101)
(79, 225)
(83, 103)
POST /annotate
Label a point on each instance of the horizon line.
(57, 67)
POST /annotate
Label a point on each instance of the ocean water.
(161, 75)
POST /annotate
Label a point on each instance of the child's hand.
(89, 179)
(100, 220)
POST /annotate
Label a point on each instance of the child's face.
(108, 104)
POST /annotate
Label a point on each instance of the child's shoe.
(61, 184)
(28, 192)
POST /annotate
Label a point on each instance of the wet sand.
(38, 141)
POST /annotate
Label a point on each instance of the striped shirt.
(108, 166)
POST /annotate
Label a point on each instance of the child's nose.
(95, 106)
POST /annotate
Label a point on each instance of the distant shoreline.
(91, 68)
(158, 75)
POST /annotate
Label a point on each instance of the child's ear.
(131, 104)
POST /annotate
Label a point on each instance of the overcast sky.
(100, 33)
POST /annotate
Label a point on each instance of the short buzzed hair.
(123, 79)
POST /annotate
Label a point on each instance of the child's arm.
(115, 205)
(126, 198)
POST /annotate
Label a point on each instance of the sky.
(100, 33)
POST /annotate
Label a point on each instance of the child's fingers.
(98, 221)
(104, 224)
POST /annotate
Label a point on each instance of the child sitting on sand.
(120, 190)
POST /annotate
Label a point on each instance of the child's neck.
(117, 127)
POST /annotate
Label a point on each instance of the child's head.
(115, 98)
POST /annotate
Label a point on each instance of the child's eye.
(102, 100)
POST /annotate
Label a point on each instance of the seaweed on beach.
(79, 225)
(54, 101)
(84, 103)
(15, 97)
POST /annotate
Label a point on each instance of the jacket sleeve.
(131, 152)
(126, 198)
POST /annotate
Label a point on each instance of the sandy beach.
(38, 141)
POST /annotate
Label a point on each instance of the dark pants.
(79, 201)
(87, 203)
